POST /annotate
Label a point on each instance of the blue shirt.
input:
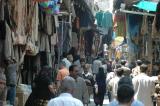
(104, 19)
(134, 103)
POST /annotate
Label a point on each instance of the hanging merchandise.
(31, 48)
(120, 24)
(50, 7)
(156, 22)
(18, 39)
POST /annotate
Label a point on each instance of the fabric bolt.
(65, 99)
(81, 91)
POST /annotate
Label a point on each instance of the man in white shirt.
(125, 94)
(144, 86)
(66, 98)
(113, 83)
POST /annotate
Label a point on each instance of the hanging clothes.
(8, 47)
(64, 37)
(88, 42)
(120, 24)
(107, 39)
(134, 32)
(44, 42)
(104, 19)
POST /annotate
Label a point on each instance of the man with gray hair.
(66, 98)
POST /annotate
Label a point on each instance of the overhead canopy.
(147, 5)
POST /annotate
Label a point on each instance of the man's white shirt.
(65, 99)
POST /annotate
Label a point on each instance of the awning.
(147, 5)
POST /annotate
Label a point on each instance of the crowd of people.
(77, 80)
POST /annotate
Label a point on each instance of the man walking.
(81, 91)
(65, 98)
(144, 86)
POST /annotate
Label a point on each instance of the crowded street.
(79, 52)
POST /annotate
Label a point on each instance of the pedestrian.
(66, 61)
(70, 58)
(63, 72)
(100, 88)
(136, 71)
(144, 86)
(65, 98)
(96, 65)
(104, 65)
(88, 77)
(126, 70)
(125, 95)
(113, 83)
(109, 66)
(42, 89)
(81, 91)
(82, 65)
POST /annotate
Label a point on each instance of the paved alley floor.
(105, 102)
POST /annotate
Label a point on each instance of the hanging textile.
(88, 42)
(133, 34)
(120, 24)
(64, 37)
(104, 19)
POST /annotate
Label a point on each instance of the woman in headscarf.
(42, 89)
(100, 87)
